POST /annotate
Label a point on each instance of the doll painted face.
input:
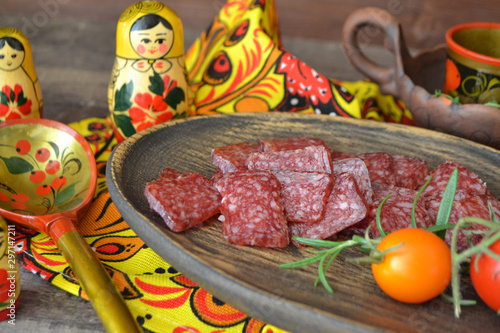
(11, 54)
(151, 37)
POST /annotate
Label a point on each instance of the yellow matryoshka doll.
(10, 285)
(20, 93)
(149, 83)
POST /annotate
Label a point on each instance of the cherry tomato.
(486, 278)
(417, 271)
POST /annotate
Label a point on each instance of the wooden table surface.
(73, 44)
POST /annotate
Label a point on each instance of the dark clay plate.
(249, 278)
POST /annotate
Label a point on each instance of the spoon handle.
(102, 292)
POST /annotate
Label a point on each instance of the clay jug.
(148, 83)
(416, 79)
(20, 93)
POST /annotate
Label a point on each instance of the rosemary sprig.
(366, 244)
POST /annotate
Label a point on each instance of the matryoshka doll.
(20, 93)
(149, 82)
(10, 285)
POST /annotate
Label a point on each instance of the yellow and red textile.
(237, 65)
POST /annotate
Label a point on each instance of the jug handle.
(385, 77)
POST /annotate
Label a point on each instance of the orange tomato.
(418, 270)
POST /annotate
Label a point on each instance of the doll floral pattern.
(13, 103)
(143, 110)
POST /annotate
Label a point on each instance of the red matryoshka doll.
(149, 82)
(10, 286)
(20, 93)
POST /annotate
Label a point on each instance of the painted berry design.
(48, 170)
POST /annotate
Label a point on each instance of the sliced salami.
(309, 159)
(338, 155)
(357, 168)
(252, 209)
(410, 172)
(169, 174)
(476, 206)
(380, 166)
(345, 207)
(292, 143)
(396, 211)
(469, 185)
(304, 194)
(183, 202)
(232, 158)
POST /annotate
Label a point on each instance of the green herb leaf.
(379, 211)
(446, 204)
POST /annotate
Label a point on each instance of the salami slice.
(469, 185)
(345, 207)
(380, 166)
(184, 201)
(292, 143)
(252, 209)
(338, 155)
(476, 206)
(304, 194)
(169, 174)
(232, 158)
(396, 211)
(309, 159)
(410, 172)
(357, 168)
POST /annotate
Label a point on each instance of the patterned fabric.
(237, 65)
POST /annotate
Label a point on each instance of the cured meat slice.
(304, 194)
(410, 172)
(476, 206)
(184, 201)
(345, 207)
(292, 143)
(357, 168)
(252, 209)
(396, 211)
(232, 158)
(469, 185)
(309, 159)
(169, 174)
(380, 166)
(338, 155)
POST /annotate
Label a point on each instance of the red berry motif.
(37, 176)
(43, 190)
(58, 182)
(4, 197)
(18, 205)
(23, 147)
(42, 155)
(20, 197)
(52, 167)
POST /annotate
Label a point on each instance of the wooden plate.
(250, 278)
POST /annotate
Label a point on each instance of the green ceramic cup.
(473, 63)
